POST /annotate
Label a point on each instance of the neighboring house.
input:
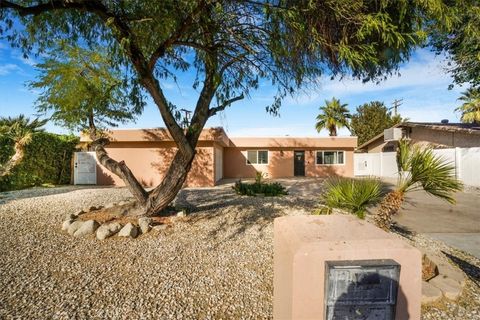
(148, 153)
(456, 143)
(437, 135)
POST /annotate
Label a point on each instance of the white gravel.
(217, 264)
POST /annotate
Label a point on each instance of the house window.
(330, 157)
(257, 157)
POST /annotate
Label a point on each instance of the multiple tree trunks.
(17, 157)
(389, 206)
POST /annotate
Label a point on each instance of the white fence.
(384, 164)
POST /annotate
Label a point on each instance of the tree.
(230, 45)
(460, 39)
(371, 119)
(419, 169)
(470, 109)
(19, 131)
(84, 90)
(333, 115)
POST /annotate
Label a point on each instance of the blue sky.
(422, 84)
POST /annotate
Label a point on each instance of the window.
(257, 157)
(330, 157)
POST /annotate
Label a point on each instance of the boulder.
(430, 293)
(129, 230)
(88, 227)
(74, 226)
(144, 224)
(450, 288)
(67, 224)
(108, 230)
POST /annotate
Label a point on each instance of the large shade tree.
(230, 45)
(84, 90)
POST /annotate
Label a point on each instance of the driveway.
(457, 225)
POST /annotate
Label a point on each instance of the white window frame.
(257, 164)
(330, 164)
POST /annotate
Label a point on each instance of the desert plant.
(252, 189)
(259, 176)
(19, 130)
(470, 109)
(419, 169)
(354, 195)
(333, 115)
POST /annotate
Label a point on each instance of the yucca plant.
(419, 169)
(19, 130)
(354, 195)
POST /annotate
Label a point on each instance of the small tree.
(84, 90)
(470, 109)
(371, 119)
(419, 169)
(333, 115)
(19, 131)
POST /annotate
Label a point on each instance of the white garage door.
(85, 168)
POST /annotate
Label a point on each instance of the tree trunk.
(172, 182)
(6, 168)
(389, 206)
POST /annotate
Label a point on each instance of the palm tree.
(470, 109)
(419, 169)
(333, 115)
(19, 130)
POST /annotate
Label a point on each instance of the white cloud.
(8, 68)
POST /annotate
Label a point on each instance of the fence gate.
(85, 168)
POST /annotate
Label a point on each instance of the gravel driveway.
(218, 264)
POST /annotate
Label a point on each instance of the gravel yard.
(217, 263)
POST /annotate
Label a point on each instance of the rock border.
(79, 228)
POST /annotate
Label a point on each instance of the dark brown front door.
(299, 164)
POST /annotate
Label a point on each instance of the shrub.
(47, 161)
(253, 189)
(354, 195)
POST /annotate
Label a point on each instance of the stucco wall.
(444, 138)
(281, 163)
(150, 160)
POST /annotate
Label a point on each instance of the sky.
(422, 84)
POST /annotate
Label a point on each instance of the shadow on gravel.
(42, 192)
(472, 271)
(238, 213)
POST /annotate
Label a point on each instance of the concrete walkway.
(457, 225)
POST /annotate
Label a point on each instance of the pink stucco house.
(148, 153)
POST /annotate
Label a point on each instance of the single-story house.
(148, 153)
(437, 135)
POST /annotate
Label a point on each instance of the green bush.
(253, 189)
(47, 161)
(354, 195)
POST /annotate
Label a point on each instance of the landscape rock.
(129, 230)
(450, 288)
(88, 227)
(110, 205)
(144, 224)
(67, 224)
(445, 269)
(181, 214)
(160, 227)
(74, 226)
(430, 293)
(108, 230)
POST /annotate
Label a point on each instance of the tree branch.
(225, 104)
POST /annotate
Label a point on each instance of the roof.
(469, 128)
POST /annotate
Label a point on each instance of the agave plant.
(354, 195)
(419, 169)
(19, 130)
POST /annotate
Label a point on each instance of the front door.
(299, 164)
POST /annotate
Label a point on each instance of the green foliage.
(470, 109)
(20, 129)
(371, 119)
(259, 177)
(421, 169)
(333, 115)
(461, 41)
(354, 195)
(253, 189)
(47, 160)
(83, 89)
